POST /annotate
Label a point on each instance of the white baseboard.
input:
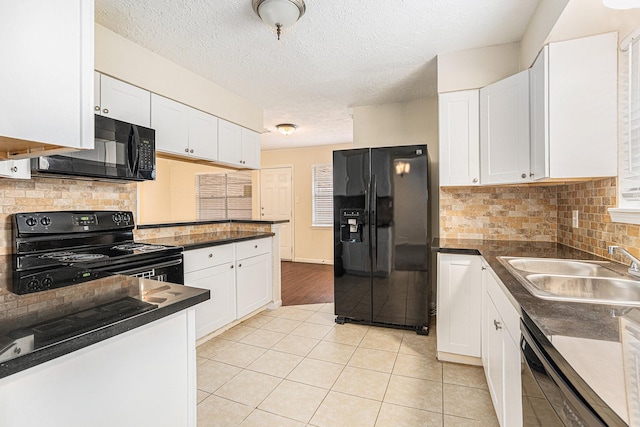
(273, 305)
(313, 261)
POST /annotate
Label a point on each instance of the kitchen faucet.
(634, 268)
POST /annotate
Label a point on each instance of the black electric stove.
(55, 249)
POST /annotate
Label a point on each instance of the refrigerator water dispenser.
(351, 225)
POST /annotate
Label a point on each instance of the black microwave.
(122, 151)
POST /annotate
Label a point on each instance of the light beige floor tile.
(316, 372)
(382, 339)
(282, 325)
(347, 334)
(201, 360)
(310, 307)
(343, 410)
(464, 375)
(328, 308)
(312, 330)
(376, 360)
(294, 400)
(362, 383)
(451, 421)
(238, 354)
(236, 333)
(418, 345)
(217, 412)
(275, 363)
(468, 402)
(296, 345)
(257, 321)
(401, 416)
(414, 393)
(332, 352)
(426, 368)
(296, 314)
(275, 312)
(202, 395)
(263, 338)
(260, 418)
(212, 347)
(322, 318)
(212, 375)
(248, 387)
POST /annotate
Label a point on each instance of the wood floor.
(304, 283)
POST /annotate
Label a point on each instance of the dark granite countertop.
(586, 337)
(92, 311)
(221, 221)
(203, 240)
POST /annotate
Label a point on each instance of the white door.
(275, 204)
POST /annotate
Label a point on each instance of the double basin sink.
(598, 282)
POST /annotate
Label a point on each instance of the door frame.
(293, 206)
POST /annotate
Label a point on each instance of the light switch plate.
(575, 222)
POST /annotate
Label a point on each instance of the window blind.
(322, 191)
(630, 112)
(224, 196)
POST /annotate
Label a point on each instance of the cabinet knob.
(239, 265)
(191, 151)
(14, 169)
(263, 214)
(475, 179)
(186, 150)
(232, 266)
(210, 255)
(106, 111)
(524, 175)
(255, 247)
(531, 174)
(497, 324)
(97, 108)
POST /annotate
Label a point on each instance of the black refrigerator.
(381, 236)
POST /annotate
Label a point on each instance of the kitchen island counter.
(587, 337)
(201, 240)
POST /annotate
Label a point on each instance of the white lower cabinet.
(459, 308)
(500, 351)
(239, 277)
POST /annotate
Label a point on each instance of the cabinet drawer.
(212, 256)
(252, 248)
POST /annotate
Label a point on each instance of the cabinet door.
(493, 357)
(229, 142)
(220, 310)
(539, 126)
(250, 149)
(46, 81)
(459, 304)
(203, 135)
(170, 121)
(122, 101)
(18, 169)
(459, 135)
(253, 283)
(512, 407)
(504, 131)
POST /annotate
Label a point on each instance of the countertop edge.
(36, 358)
(220, 221)
(200, 245)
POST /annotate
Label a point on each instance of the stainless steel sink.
(595, 282)
(562, 266)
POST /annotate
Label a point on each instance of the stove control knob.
(32, 285)
(45, 221)
(31, 221)
(117, 217)
(126, 217)
(47, 282)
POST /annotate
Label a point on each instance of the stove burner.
(138, 247)
(73, 257)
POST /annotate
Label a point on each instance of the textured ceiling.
(339, 55)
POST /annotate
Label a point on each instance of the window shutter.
(322, 178)
(630, 112)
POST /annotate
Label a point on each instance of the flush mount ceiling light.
(279, 13)
(621, 4)
(286, 128)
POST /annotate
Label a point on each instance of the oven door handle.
(148, 267)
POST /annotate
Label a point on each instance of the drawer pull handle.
(210, 255)
(497, 324)
(256, 246)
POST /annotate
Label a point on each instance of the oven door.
(167, 269)
(547, 397)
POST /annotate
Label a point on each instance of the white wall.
(476, 68)
(125, 60)
(537, 33)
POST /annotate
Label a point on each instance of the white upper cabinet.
(46, 81)
(459, 138)
(504, 131)
(574, 109)
(122, 101)
(182, 130)
(238, 146)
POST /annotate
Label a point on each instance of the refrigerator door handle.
(374, 224)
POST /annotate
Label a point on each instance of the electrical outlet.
(575, 222)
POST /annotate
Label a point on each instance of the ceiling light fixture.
(286, 128)
(279, 13)
(622, 4)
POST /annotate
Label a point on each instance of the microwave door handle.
(133, 150)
